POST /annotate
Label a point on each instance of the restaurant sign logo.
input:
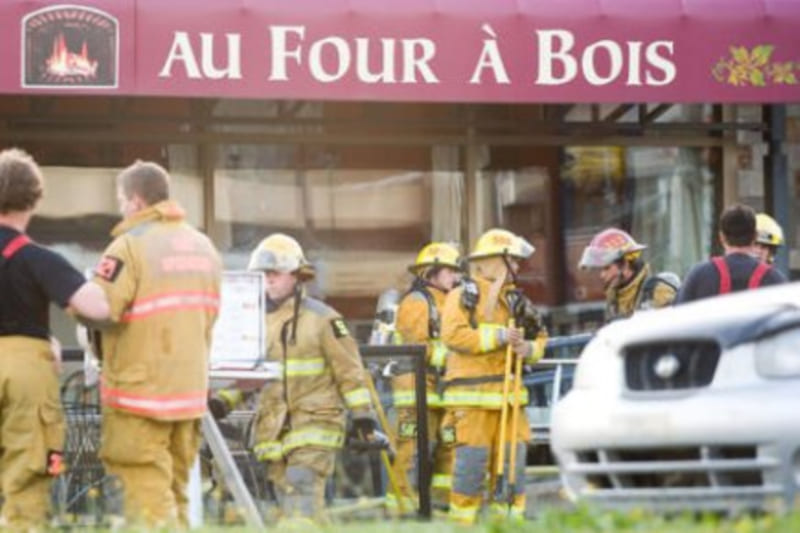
(70, 46)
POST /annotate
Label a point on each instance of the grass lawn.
(581, 520)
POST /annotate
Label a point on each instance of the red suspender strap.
(724, 274)
(14, 245)
(757, 276)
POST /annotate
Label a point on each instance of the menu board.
(239, 337)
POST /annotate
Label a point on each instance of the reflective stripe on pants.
(299, 481)
(476, 435)
(405, 460)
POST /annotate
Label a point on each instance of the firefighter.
(31, 277)
(162, 279)
(475, 328)
(769, 236)
(654, 287)
(735, 270)
(385, 321)
(618, 257)
(436, 271)
(300, 421)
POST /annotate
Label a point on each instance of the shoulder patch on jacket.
(109, 267)
(339, 328)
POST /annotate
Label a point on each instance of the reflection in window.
(514, 191)
(662, 196)
(360, 212)
(792, 233)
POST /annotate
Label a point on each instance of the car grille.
(673, 365)
(673, 475)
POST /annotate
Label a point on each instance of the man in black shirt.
(31, 420)
(738, 269)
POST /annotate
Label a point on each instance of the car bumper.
(727, 450)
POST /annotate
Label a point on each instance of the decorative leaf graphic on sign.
(784, 73)
(752, 68)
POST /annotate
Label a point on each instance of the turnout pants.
(31, 430)
(405, 461)
(299, 481)
(152, 459)
(477, 435)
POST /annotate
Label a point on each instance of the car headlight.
(778, 356)
(597, 366)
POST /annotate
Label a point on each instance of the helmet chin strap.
(620, 281)
(429, 283)
(511, 275)
(298, 296)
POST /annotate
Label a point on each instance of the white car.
(695, 407)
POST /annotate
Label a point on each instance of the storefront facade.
(367, 132)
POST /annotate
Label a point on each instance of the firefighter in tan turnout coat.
(300, 423)
(162, 279)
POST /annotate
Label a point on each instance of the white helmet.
(281, 253)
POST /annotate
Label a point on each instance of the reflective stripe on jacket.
(312, 436)
(323, 376)
(162, 279)
(477, 355)
(413, 327)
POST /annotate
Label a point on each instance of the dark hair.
(146, 179)
(738, 225)
(21, 182)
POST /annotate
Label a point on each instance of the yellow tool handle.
(501, 448)
(398, 493)
(376, 400)
(512, 459)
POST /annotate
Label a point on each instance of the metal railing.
(84, 491)
(84, 496)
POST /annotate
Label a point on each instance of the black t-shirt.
(29, 280)
(703, 279)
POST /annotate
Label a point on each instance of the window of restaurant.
(663, 196)
(364, 186)
(517, 190)
(793, 154)
(361, 212)
(750, 171)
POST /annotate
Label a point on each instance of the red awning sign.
(415, 50)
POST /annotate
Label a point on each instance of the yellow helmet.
(281, 253)
(497, 242)
(436, 254)
(768, 231)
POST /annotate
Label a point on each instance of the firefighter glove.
(525, 314)
(363, 427)
(223, 402)
(470, 295)
(218, 407)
